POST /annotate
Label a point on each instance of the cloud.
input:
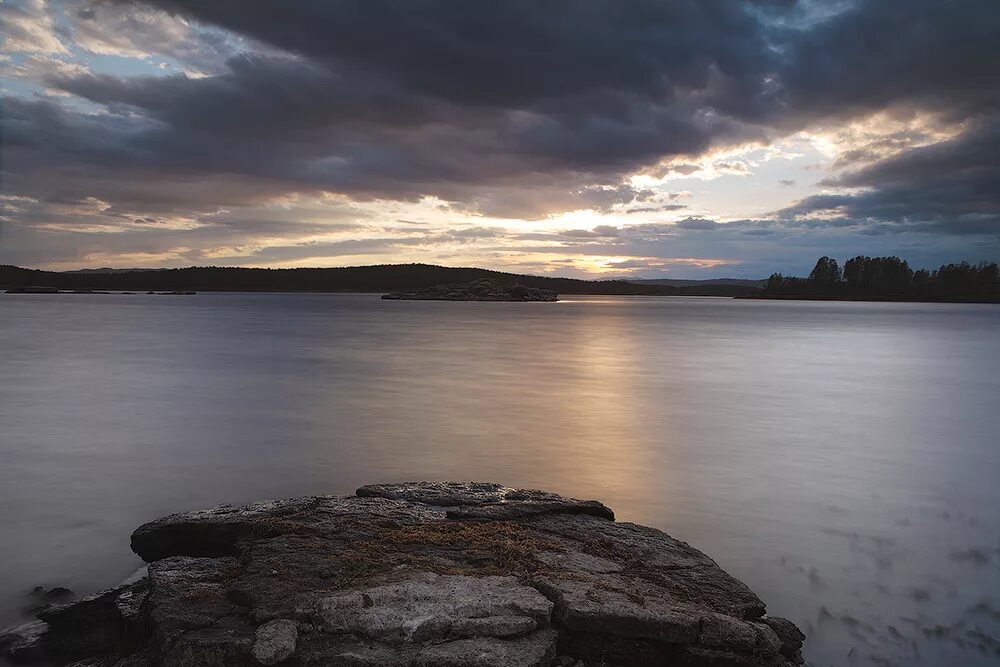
(139, 32)
(656, 209)
(505, 110)
(27, 27)
(515, 114)
(951, 186)
(697, 223)
(598, 232)
(914, 54)
(520, 53)
(732, 167)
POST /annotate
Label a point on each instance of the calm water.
(841, 458)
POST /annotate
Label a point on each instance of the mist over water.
(841, 458)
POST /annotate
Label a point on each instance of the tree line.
(379, 278)
(890, 278)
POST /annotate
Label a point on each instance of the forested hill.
(382, 278)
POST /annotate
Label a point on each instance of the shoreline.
(873, 299)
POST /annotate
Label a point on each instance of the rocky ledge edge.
(475, 291)
(421, 574)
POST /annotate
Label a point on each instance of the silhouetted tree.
(877, 275)
(891, 278)
(826, 273)
(965, 279)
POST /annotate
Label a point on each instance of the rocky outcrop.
(483, 290)
(415, 575)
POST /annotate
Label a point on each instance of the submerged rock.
(483, 290)
(42, 597)
(416, 575)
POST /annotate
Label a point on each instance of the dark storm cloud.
(309, 129)
(62, 156)
(519, 108)
(924, 54)
(514, 53)
(516, 109)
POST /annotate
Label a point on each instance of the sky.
(583, 138)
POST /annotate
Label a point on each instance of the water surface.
(841, 458)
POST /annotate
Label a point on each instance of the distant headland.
(379, 278)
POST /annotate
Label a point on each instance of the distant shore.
(365, 279)
(888, 279)
(878, 299)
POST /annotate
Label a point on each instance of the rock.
(479, 500)
(138, 659)
(24, 643)
(483, 290)
(106, 622)
(535, 650)
(42, 597)
(441, 494)
(190, 614)
(788, 635)
(275, 641)
(212, 532)
(219, 531)
(457, 574)
(432, 607)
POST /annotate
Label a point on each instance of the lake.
(843, 459)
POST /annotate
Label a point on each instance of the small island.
(482, 290)
(419, 574)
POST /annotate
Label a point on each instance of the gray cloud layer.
(949, 187)
(516, 108)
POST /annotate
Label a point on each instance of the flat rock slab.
(439, 574)
(432, 607)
